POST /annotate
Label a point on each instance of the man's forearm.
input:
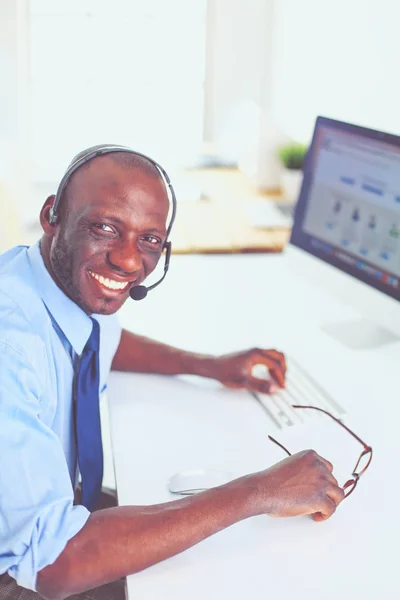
(144, 355)
(120, 541)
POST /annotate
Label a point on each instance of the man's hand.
(235, 370)
(301, 484)
(141, 536)
(142, 355)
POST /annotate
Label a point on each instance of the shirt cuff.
(54, 529)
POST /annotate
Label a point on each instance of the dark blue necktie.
(88, 429)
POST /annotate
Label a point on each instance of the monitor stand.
(360, 334)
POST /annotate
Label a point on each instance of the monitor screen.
(348, 212)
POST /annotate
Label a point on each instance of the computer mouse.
(187, 483)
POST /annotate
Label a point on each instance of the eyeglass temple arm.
(366, 447)
(280, 445)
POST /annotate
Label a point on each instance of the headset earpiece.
(52, 216)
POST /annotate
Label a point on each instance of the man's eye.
(150, 239)
(104, 227)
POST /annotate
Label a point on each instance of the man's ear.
(47, 227)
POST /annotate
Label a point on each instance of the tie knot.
(93, 342)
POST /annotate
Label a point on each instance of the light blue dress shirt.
(42, 333)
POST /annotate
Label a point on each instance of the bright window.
(338, 59)
(127, 72)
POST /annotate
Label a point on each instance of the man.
(108, 236)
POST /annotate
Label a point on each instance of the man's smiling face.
(109, 235)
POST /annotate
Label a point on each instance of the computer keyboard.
(301, 389)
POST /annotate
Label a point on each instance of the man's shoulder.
(22, 312)
(16, 278)
(13, 258)
(14, 270)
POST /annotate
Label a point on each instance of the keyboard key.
(302, 389)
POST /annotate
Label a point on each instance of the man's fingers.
(278, 376)
(232, 384)
(327, 509)
(334, 481)
(274, 368)
(263, 386)
(328, 464)
(276, 365)
(277, 356)
(336, 494)
(319, 517)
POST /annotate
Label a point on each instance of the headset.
(138, 292)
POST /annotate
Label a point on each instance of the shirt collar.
(73, 322)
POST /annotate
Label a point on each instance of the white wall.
(339, 59)
(238, 87)
(14, 96)
(124, 70)
(238, 59)
(299, 57)
(8, 70)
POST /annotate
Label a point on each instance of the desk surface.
(162, 425)
(219, 223)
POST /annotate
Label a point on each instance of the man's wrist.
(200, 364)
(251, 495)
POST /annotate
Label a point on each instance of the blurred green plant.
(292, 155)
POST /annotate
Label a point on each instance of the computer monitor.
(346, 230)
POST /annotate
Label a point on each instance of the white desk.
(197, 424)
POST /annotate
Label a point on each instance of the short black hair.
(128, 160)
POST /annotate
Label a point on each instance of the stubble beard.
(62, 261)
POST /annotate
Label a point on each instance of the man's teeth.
(109, 283)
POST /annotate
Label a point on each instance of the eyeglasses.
(362, 463)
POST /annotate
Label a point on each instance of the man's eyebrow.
(107, 218)
(119, 221)
(156, 229)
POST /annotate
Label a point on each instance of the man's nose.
(126, 258)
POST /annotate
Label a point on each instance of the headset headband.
(95, 151)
